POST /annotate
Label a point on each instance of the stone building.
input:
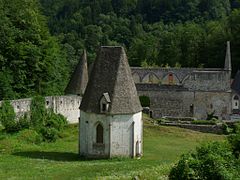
(111, 114)
(187, 92)
(236, 95)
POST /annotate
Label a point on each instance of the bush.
(236, 128)
(210, 161)
(145, 101)
(226, 130)
(234, 140)
(53, 126)
(7, 117)
(38, 112)
(49, 134)
(48, 124)
(204, 122)
(30, 136)
(24, 122)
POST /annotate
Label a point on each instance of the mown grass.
(162, 148)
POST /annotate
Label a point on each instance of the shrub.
(38, 112)
(210, 161)
(236, 128)
(204, 122)
(30, 136)
(145, 101)
(52, 126)
(24, 122)
(48, 124)
(234, 140)
(49, 134)
(7, 117)
(226, 129)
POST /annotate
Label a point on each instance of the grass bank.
(162, 148)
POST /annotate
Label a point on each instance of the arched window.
(236, 97)
(99, 134)
(235, 102)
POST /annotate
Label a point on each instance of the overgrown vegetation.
(40, 124)
(8, 117)
(216, 160)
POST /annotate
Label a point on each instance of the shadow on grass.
(54, 156)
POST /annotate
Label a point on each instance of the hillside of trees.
(41, 40)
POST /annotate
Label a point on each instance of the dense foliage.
(48, 124)
(186, 33)
(7, 117)
(41, 40)
(37, 125)
(217, 160)
(31, 60)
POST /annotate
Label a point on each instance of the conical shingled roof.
(79, 78)
(111, 74)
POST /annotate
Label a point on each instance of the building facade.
(111, 114)
(187, 92)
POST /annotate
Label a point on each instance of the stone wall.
(196, 79)
(122, 135)
(169, 102)
(177, 101)
(185, 92)
(216, 129)
(208, 102)
(68, 106)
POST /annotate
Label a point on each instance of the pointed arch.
(150, 78)
(170, 79)
(136, 77)
(235, 101)
(99, 133)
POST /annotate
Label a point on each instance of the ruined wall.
(168, 101)
(208, 81)
(196, 79)
(177, 101)
(208, 102)
(185, 92)
(68, 106)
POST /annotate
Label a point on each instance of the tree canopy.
(41, 40)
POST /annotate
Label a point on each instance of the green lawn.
(162, 148)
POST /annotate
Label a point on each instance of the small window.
(104, 107)
(47, 102)
(99, 134)
(192, 109)
(170, 78)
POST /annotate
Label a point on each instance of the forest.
(42, 40)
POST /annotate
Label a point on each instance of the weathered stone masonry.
(68, 106)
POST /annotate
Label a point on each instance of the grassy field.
(162, 148)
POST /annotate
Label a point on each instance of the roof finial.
(228, 64)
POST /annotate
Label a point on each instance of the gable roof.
(236, 83)
(111, 74)
(79, 78)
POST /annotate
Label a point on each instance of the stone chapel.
(111, 114)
